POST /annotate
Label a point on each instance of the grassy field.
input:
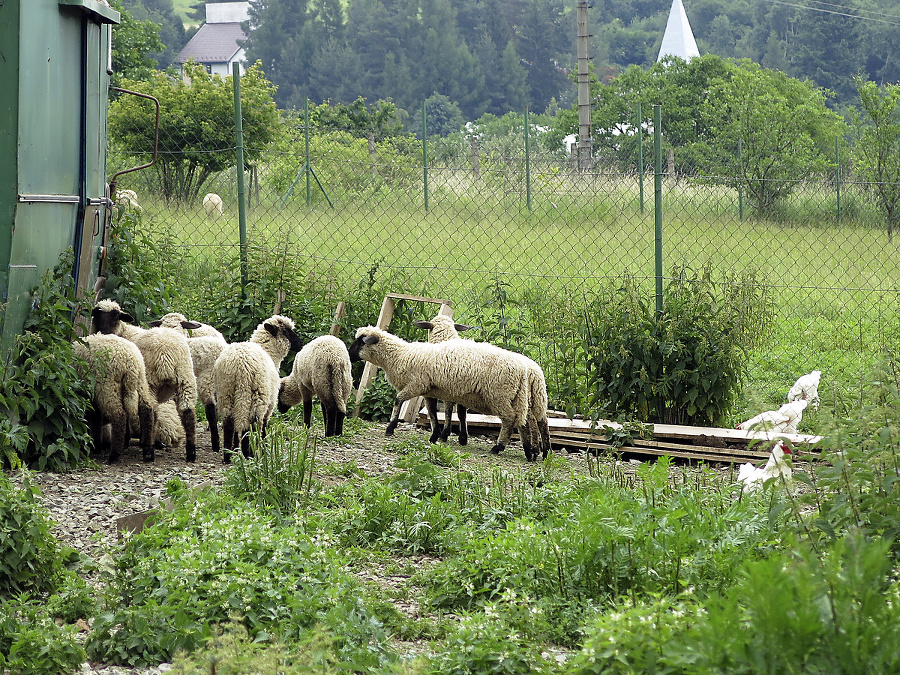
(829, 288)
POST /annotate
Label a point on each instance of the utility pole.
(585, 142)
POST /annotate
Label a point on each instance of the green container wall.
(54, 56)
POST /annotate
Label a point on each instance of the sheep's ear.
(125, 316)
(427, 325)
(156, 323)
(370, 339)
(461, 327)
(273, 330)
(190, 325)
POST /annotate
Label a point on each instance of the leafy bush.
(683, 366)
(31, 643)
(205, 563)
(31, 560)
(46, 389)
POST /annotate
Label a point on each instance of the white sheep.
(247, 380)
(322, 369)
(443, 328)
(205, 343)
(806, 388)
(212, 204)
(128, 199)
(477, 375)
(122, 397)
(167, 361)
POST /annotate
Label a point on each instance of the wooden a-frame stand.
(410, 408)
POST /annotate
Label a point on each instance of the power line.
(834, 12)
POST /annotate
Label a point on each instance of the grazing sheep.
(443, 328)
(205, 343)
(247, 380)
(128, 199)
(122, 396)
(212, 204)
(321, 368)
(167, 361)
(476, 374)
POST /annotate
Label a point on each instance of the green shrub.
(31, 643)
(31, 560)
(46, 390)
(683, 366)
(207, 562)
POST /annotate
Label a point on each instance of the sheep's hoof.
(463, 439)
(497, 449)
(389, 431)
(435, 437)
(226, 458)
(149, 455)
(191, 457)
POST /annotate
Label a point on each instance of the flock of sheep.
(148, 381)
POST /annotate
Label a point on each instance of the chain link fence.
(525, 245)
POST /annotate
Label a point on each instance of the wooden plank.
(339, 312)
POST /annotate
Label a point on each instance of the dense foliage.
(46, 390)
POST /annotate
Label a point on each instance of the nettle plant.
(46, 389)
(684, 365)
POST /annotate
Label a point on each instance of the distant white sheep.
(478, 375)
(128, 199)
(247, 380)
(167, 361)
(322, 369)
(806, 388)
(212, 204)
(121, 396)
(205, 343)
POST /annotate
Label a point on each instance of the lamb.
(122, 397)
(321, 368)
(212, 204)
(806, 388)
(205, 343)
(246, 381)
(443, 328)
(167, 361)
(475, 374)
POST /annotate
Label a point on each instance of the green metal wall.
(53, 64)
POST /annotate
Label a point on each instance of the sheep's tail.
(131, 386)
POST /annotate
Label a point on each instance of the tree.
(877, 150)
(133, 42)
(767, 130)
(196, 125)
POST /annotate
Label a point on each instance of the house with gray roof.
(217, 45)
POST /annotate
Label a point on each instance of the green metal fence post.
(306, 150)
(740, 182)
(640, 128)
(657, 198)
(527, 165)
(425, 156)
(239, 152)
(837, 176)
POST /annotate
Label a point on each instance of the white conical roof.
(678, 39)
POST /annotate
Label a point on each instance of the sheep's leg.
(544, 430)
(307, 412)
(431, 406)
(245, 444)
(212, 418)
(339, 416)
(448, 421)
(463, 425)
(148, 421)
(117, 438)
(505, 433)
(189, 422)
(95, 425)
(525, 433)
(329, 413)
(227, 438)
(395, 416)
